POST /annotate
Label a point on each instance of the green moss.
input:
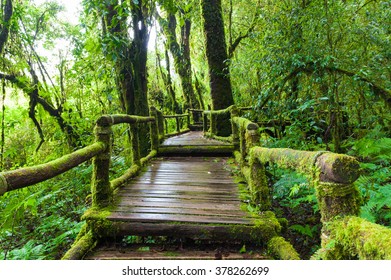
(337, 200)
(258, 185)
(281, 249)
(264, 228)
(354, 237)
(81, 247)
(98, 223)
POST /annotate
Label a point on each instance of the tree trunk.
(131, 61)
(216, 52)
(5, 23)
(181, 55)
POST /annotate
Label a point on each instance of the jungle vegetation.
(316, 73)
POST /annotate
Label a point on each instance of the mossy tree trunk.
(7, 10)
(130, 57)
(216, 52)
(181, 53)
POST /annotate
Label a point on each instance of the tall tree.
(216, 52)
(128, 50)
(7, 11)
(180, 50)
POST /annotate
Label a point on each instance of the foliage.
(375, 181)
(320, 69)
(295, 200)
(41, 222)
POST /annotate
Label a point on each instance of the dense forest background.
(316, 73)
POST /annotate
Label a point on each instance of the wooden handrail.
(100, 151)
(24, 177)
(333, 176)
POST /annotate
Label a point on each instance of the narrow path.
(182, 189)
(181, 197)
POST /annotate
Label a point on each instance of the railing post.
(135, 144)
(335, 190)
(188, 119)
(334, 175)
(235, 129)
(178, 125)
(259, 189)
(159, 122)
(252, 136)
(154, 130)
(213, 123)
(100, 185)
(204, 122)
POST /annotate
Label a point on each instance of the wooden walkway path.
(193, 197)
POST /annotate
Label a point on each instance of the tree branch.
(235, 44)
(312, 67)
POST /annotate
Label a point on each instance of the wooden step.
(177, 251)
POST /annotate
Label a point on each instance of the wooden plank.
(179, 204)
(199, 202)
(183, 211)
(199, 196)
(180, 186)
(190, 192)
(193, 138)
(174, 251)
(167, 218)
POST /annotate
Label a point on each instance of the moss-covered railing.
(102, 188)
(163, 127)
(344, 235)
(100, 151)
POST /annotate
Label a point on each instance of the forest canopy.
(316, 74)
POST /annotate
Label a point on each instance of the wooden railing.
(100, 151)
(163, 127)
(344, 235)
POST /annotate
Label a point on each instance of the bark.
(216, 52)
(131, 60)
(181, 54)
(4, 27)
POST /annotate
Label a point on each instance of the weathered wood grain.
(182, 190)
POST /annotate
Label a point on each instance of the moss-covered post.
(178, 124)
(160, 123)
(333, 179)
(205, 122)
(336, 194)
(154, 130)
(213, 123)
(100, 185)
(135, 144)
(235, 129)
(260, 192)
(252, 136)
(188, 119)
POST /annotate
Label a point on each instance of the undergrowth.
(42, 221)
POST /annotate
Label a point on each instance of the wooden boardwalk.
(193, 143)
(194, 197)
(182, 189)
